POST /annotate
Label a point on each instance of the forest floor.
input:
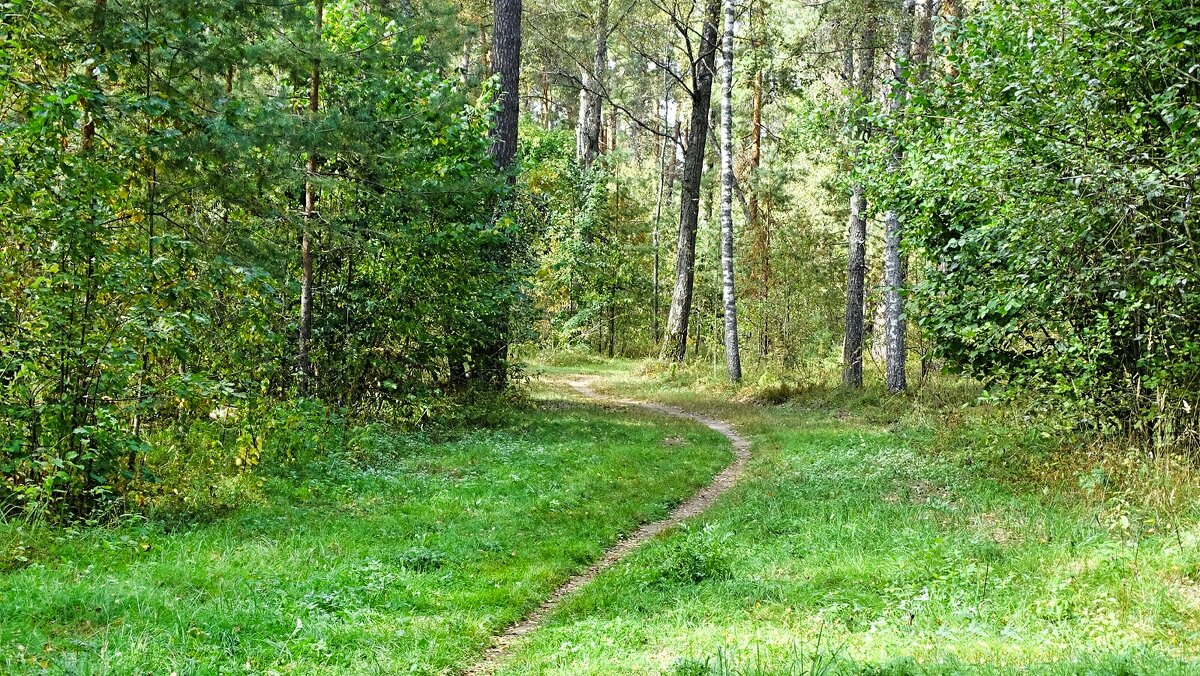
(876, 535)
(867, 535)
(693, 506)
(403, 556)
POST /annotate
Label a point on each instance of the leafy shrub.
(1049, 184)
(693, 557)
(421, 559)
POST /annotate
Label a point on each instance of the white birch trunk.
(893, 263)
(852, 354)
(733, 359)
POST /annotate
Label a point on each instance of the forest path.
(702, 500)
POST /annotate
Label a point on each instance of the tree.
(852, 346)
(506, 63)
(592, 91)
(760, 248)
(491, 368)
(1051, 191)
(893, 264)
(733, 359)
(310, 205)
(703, 62)
(161, 162)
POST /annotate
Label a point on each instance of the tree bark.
(733, 358)
(675, 345)
(310, 204)
(893, 264)
(761, 246)
(852, 373)
(491, 360)
(506, 61)
(581, 118)
(655, 334)
(592, 96)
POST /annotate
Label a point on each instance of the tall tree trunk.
(733, 357)
(675, 345)
(852, 373)
(310, 204)
(88, 133)
(893, 264)
(547, 121)
(593, 93)
(581, 118)
(612, 331)
(923, 40)
(658, 204)
(491, 362)
(761, 246)
(953, 13)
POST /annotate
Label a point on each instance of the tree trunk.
(310, 204)
(547, 118)
(581, 119)
(658, 204)
(733, 357)
(593, 93)
(675, 345)
(893, 264)
(612, 331)
(923, 40)
(491, 360)
(852, 373)
(761, 246)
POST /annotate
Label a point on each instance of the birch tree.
(893, 265)
(733, 359)
(857, 236)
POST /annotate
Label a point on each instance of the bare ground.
(699, 502)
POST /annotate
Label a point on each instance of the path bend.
(699, 502)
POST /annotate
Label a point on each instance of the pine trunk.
(655, 334)
(761, 246)
(491, 360)
(675, 345)
(593, 93)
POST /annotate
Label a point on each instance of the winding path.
(699, 502)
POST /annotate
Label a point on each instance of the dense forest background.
(222, 219)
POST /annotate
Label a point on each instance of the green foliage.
(152, 174)
(592, 285)
(1049, 183)
(698, 555)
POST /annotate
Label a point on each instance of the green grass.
(405, 560)
(868, 539)
(871, 535)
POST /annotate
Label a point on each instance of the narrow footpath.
(699, 502)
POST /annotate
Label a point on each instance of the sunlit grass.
(406, 561)
(892, 536)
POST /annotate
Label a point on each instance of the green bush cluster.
(1049, 182)
(154, 158)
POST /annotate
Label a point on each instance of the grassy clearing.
(882, 536)
(393, 555)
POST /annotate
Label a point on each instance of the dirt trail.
(699, 502)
